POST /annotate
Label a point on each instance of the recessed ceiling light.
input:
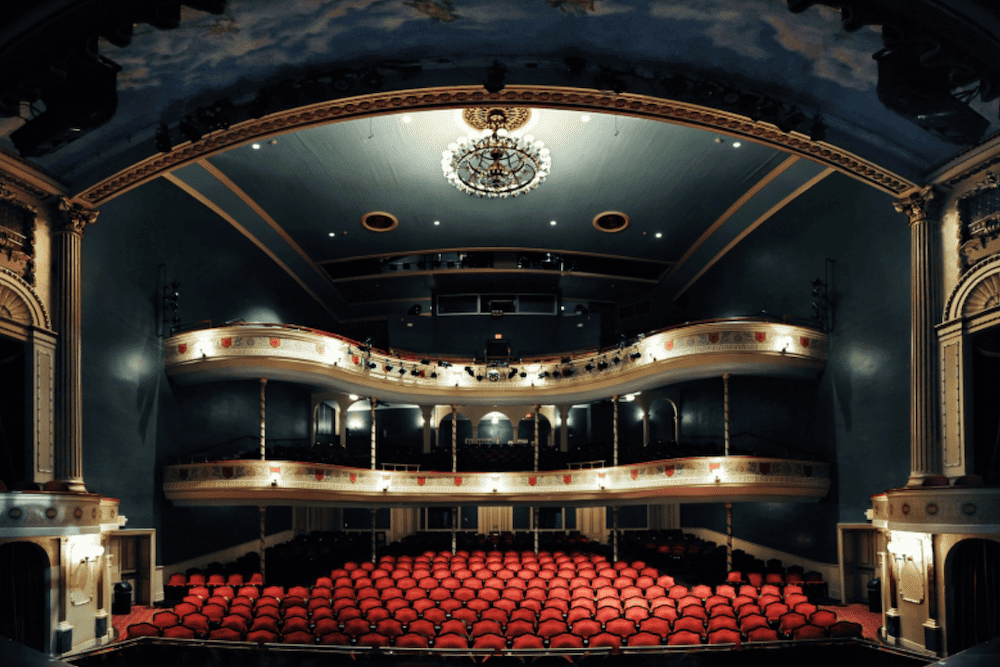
(333, 233)
(659, 235)
(437, 222)
(736, 144)
(552, 222)
(585, 118)
(256, 147)
(407, 118)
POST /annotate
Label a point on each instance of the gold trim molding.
(552, 97)
(284, 352)
(938, 509)
(691, 480)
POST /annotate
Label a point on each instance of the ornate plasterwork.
(75, 216)
(943, 509)
(478, 118)
(19, 303)
(37, 513)
(974, 291)
(689, 480)
(309, 356)
(979, 221)
(17, 235)
(918, 206)
(554, 97)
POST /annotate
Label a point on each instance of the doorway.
(24, 594)
(972, 579)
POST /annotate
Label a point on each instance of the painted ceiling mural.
(805, 58)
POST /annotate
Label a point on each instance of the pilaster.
(921, 210)
(66, 315)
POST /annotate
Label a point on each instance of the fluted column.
(66, 317)
(925, 456)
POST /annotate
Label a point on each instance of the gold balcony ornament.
(497, 160)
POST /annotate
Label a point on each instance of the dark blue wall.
(856, 414)
(133, 416)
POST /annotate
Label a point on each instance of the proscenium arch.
(457, 97)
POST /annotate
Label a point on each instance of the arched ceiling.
(691, 194)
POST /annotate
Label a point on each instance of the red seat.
(720, 622)
(165, 619)
(490, 641)
(317, 614)
(486, 627)
(324, 626)
(585, 628)
(621, 627)
(434, 615)
(421, 627)
(226, 634)
(264, 623)
(179, 632)
(450, 641)
(298, 637)
(519, 627)
(644, 639)
(197, 622)
(788, 622)
(185, 608)
(657, 626)
(262, 636)
(809, 631)
(846, 629)
(751, 622)
(412, 640)
(142, 630)
(606, 614)
(695, 611)
(683, 638)
(722, 610)
(775, 610)
(527, 641)
(665, 612)
(237, 623)
(566, 640)
(691, 624)
(762, 635)
(823, 618)
(356, 627)
(724, 636)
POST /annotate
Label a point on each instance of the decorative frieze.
(291, 353)
(686, 480)
(32, 513)
(979, 221)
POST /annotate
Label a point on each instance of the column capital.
(74, 217)
(919, 206)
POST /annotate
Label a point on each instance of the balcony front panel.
(708, 479)
(282, 352)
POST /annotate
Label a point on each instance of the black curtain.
(974, 585)
(24, 591)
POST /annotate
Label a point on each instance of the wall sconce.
(88, 553)
(274, 479)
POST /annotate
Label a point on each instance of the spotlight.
(402, 371)
(479, 378)
(472, 373)
(556, 373)
(635, 355)
(589, 366)
(388, 367)
(415, 372)
(372, 365)
(543, 375)
(602, 364)
(425, 361)
(495, 77)
(616, 360)
(568, 371)
(523, 374)
(511, 374)
(434, 375)
(444, 364)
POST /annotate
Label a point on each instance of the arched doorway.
(15, 459)
(24, 594)
(972, 579)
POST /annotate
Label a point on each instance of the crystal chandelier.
(496, 162)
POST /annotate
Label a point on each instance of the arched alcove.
(972, 582)
(24, 594)
(969, 342)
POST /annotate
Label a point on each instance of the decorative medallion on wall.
(478, 118)
(611, 221)
(379, 221)
(17, 236)
(979, 222)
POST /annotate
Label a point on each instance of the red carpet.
(139, 614)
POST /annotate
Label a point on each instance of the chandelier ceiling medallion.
(498, 160)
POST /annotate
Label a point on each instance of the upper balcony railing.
(747, 346)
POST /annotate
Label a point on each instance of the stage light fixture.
(635, 355)
(472, 373)
(616, 360)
